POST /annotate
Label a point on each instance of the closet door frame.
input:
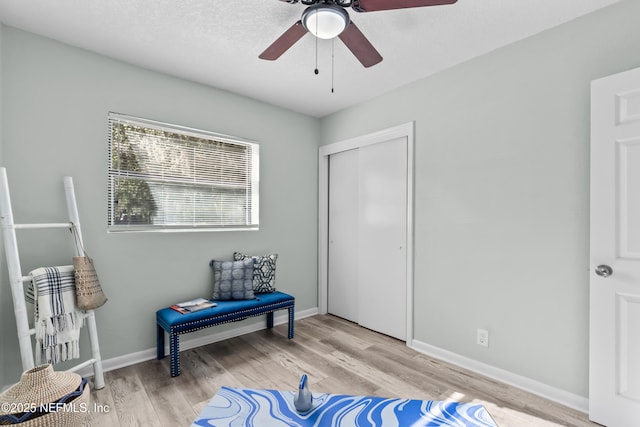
(405, 130)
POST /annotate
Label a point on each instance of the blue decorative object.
(303, 400)
(232, 407)
(175, 323)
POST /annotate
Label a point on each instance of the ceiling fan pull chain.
(333, 44)
(316, 70)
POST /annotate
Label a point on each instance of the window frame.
(252, 221)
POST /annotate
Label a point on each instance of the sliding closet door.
(367, 260)
(382, 237)
(343, 235)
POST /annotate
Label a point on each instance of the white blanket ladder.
(17, 280)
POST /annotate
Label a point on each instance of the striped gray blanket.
(57, 319)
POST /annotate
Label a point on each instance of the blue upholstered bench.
(175, 323)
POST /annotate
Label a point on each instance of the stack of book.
(193, 305)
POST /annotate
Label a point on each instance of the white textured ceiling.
(217, 42)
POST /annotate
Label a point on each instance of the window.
(166, 177)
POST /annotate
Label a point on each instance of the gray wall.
(56, 100)
(502, 194)
(501, 188)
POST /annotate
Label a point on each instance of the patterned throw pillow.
(264, 272)
(232, 279)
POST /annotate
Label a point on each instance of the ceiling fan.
(327, 19)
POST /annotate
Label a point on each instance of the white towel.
(57, 319)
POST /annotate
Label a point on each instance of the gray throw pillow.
(232, 279)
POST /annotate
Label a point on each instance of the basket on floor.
(44, 398)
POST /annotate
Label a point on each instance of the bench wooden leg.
(160, 342)
(174, 354)
(270, 320)
(290, 335)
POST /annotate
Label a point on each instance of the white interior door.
(367, 259)
(614, 373)
(382, 237)
(343, 235)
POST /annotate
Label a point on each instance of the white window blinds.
(166, 177)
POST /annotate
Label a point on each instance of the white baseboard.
(560, 396)
(144, 355)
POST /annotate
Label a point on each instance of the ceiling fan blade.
(284, 42)
(360, 46)
(374, 5)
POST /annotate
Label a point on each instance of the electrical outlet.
(483, 337)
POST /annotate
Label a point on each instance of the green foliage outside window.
(133, 200)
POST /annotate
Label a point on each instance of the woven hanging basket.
(44, 398)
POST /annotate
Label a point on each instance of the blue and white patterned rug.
(236, 407)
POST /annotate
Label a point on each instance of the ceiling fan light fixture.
(325, 21)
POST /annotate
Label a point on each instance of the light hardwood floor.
(338, 356)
